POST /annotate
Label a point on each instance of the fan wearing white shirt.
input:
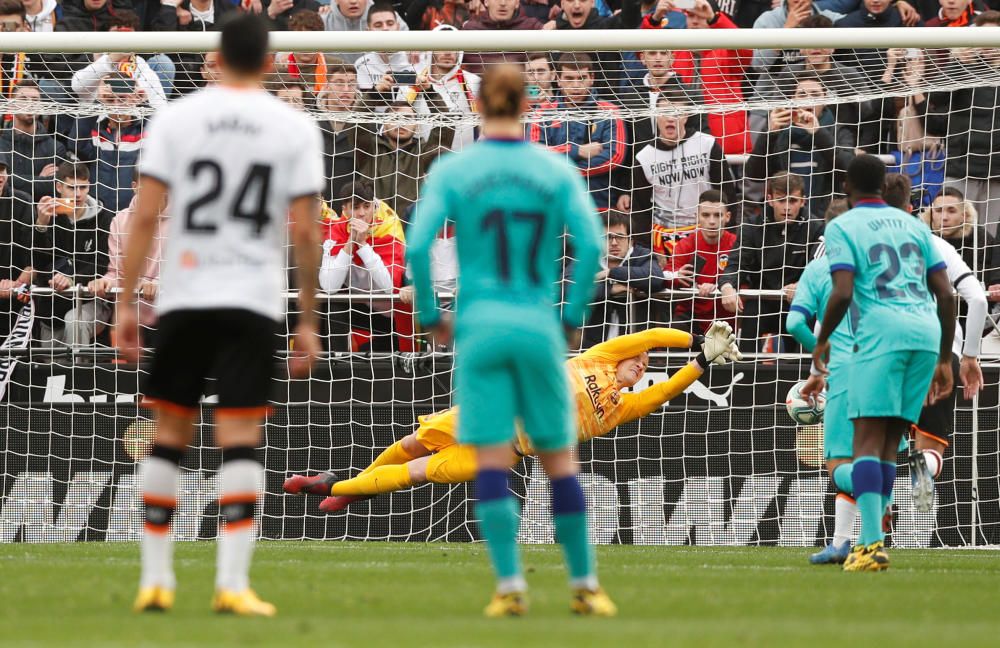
(87, 81)
(385, 77)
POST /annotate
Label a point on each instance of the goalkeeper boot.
(922, 482)
(336, 503)
(510, 604)
(864, 558)
(154, 599)
(315, 485)
(831, 554)
(245, 603)
(587, 602)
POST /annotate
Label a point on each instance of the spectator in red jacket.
(720, 75)
(706, 250)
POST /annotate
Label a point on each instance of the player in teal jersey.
(883, 260)
(510, 202)
(811, 296)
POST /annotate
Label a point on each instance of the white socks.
(845, 511)
(934, 462)
(158, 476)
(241, 481)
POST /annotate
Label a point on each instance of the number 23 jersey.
(234, 160)
(891, 255)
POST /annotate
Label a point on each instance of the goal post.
(513, 41)
(769, 118)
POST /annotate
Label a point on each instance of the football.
(803, 411)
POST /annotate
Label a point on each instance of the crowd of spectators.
(706, 206)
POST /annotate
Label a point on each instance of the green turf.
(391, 594)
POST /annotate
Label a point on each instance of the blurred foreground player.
(236, 163)
(510, 202)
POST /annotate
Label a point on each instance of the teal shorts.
(513, 373)
(891, 385)
(838, 430)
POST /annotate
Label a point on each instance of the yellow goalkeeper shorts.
(439, 430)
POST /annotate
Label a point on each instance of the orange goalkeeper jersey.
(600, 405)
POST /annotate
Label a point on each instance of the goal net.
(713, 158)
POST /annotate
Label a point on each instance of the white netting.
(652, 132)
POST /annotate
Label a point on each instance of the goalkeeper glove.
(719, 345)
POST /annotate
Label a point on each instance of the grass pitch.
(392, 594)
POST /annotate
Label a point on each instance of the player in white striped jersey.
(235, 163)
(932, 433)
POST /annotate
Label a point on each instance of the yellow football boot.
(864, 558)
(154, 599)
(507, 605)
(596, 602)
(245, 603)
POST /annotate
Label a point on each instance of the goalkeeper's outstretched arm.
(717, 347)
(653, 398)
(629, 346)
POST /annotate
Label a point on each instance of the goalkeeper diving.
(597, 377)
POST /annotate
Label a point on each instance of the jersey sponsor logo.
(594, 392)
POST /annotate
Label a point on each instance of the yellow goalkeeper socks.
(384, 479)
(394, 455)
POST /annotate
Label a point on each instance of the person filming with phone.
(385, 77)
(109, 144)
(78, 225)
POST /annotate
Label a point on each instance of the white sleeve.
(306, 169)
(333, 271)
(381, 278)
(972, 292)
(366, 74)
(86, 81)
(150, 83)
(156, 158)
(964, 281)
